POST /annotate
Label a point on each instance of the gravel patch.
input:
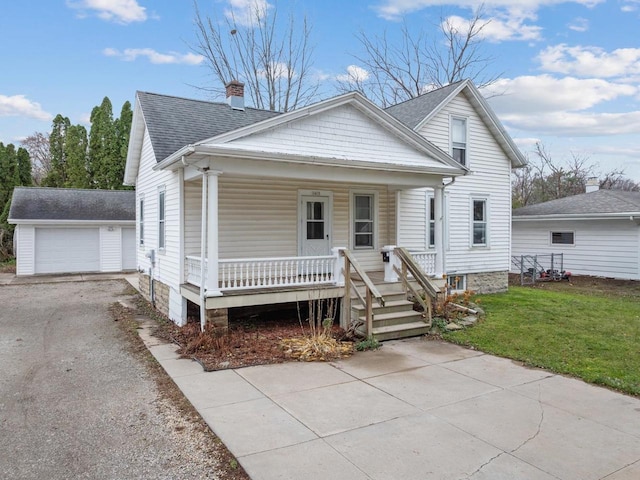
(77, 402)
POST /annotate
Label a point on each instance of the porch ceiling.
(313, 168)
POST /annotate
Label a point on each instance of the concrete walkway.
(13, 279)
(415, 409)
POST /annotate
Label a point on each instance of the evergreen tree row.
(90, 160)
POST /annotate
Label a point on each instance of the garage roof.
(598, 202)
(38, 203)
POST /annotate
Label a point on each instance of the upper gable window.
(459, 140)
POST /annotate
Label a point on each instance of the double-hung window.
(363, 221)
(459, 140)
(480, 224)
(141, 221)
(432, 222)
(161, 219)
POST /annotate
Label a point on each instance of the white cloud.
(246, 12)
(578, 124)
(525, 143)
(395, 9)
(544, 93)
(21, 106)
(120, 11)
(630, 6)
(131, 54)
(579, 24)
(354, 74)
(590, 61)
(500, 28)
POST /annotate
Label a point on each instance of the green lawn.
(592, 336)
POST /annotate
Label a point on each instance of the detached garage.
(61, 230)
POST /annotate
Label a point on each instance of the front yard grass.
(589, 333)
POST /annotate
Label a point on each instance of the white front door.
(315, 223)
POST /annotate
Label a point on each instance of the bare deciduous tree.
(392, 73)
(544, 179)
(272, 58)
(37, 145)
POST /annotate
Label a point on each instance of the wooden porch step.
(393, 332)
(395, 318)
(395, 305)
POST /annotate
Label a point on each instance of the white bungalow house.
(597, 232)
(293, 206)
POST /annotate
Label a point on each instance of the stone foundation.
(161, 293)
(218, 317)
(488, 282)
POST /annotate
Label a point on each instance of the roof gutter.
(175, 157)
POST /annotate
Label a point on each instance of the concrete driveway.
(415, 409)
(75, 403)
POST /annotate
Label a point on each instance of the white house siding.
(607, 248)
(359, 138)
(490, 178)
(168, 261)
(25, 249)
(259, 217)
(414, 213)
(110, 249)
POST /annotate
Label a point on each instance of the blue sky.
(570, 70)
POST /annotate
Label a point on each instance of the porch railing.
(251, 273)
(426, 261)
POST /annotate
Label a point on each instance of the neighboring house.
(597, 232)
(63, 230)
(269, 199)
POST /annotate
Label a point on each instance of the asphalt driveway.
(74, 402)
(415, 409)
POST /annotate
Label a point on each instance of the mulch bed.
(247, 341)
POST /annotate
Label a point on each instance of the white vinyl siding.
(491, 174)
(259, 217)
(607, 248)
(128, 242)
(25, 249)
(167, 268)
(341, 133)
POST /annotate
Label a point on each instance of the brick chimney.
(235, 94)
(593, 184)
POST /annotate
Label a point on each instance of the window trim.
(141, 221)
(462, 280)
(466, 137)
(431, 223)
(374, 219)
(162, 218)
(487, 220)
(573, 237)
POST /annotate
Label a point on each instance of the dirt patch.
(585, 284)
(198, 442)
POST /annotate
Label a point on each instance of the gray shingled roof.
(413, 111)
(175, 122)
(598, 202)
(36, 203)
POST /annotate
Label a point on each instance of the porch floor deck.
(271, 295)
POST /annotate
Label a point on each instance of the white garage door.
(129, 248)
(66, 250)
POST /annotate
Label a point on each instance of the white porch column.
(338, 264)
(438, 207)
(211, 283)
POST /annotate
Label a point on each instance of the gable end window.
(161, 219)
(459, 140)
(363, 221)
(141, 221)
(562, 238)
(480, 222)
